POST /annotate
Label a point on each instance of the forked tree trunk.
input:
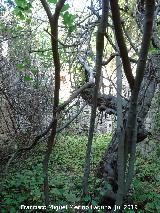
(107, 169)
(133, 120)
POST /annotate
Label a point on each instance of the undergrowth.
(145, 189)
(24, 184)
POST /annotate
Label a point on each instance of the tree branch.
(54, 41)
(129, 39)
(90, 72)
(121, 43)
(112, 56)
(75, 44)
(75, 94)
(99, 55)
(70, 121)
(47, 9)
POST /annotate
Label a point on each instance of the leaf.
(65, 7)
(107, 186)
(153, 50)
(94, 203)
(17, 12)
(56, 191)
(28, 7)
(22, 17)
(28, 20)
(71, 197)
(27, 78)
(52, 1)
(19, 28)
(67, 18)
(34, 71)
(22, 6)
(20, 3)
(26, 61)
(71, 28)
(87, 198)
(20, 66)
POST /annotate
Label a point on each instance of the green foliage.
(65, 7)
(25, 186)
(22, 8)
(157, 113)
(154, 51)
(21, 187)
(68, 20)
(146, 184)
(34, 70)
(27, 78)
(52, 1)
(23, 5)
(20, 66)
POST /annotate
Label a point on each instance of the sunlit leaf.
(20, 66)
(20, 2)
(65, 7)
(52, 1)
(27, 78)
(19, 28)
(68, 20)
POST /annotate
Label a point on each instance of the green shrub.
(25, 185)
(146, 184)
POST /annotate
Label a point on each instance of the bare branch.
(70, 121)
(89, 71)
(75, 94)
(47, 9)
(129, 39)
(75, 44)
(40, 51)
(121, 42)
(113, 55)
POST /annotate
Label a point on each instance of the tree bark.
(135, 115)
(99, 55)
(53, 20)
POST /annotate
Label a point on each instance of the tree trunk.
(107, 169)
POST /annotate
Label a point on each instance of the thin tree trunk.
(99, 55)
(120, 135)
(53, 20)
(131, 128)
